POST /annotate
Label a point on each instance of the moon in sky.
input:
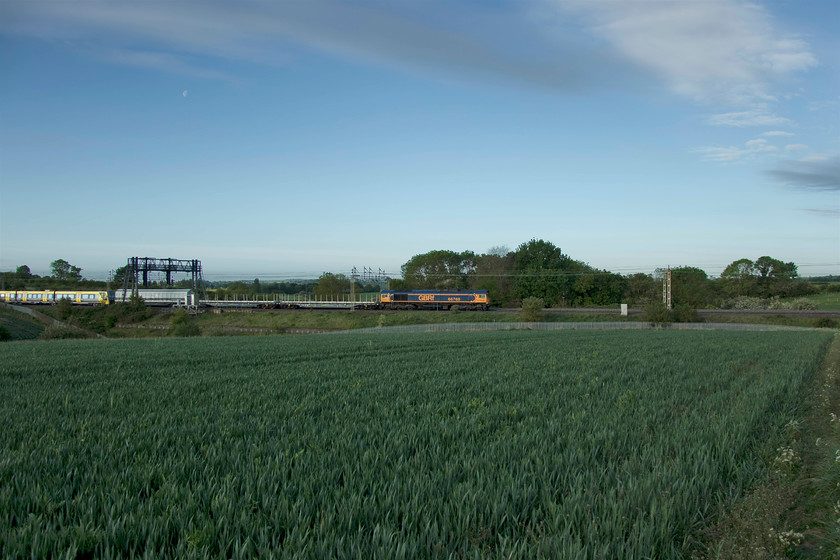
(185, 93)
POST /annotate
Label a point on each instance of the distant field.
(828, 301)
(519, 444)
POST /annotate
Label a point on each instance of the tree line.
(536, 269)
(63, 275)
(540, 269)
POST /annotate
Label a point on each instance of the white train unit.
(159, 298)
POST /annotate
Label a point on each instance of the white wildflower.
(786, 455)
(791, 538)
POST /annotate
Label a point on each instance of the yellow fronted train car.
(48, 297)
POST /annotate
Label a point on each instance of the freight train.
(475, 300)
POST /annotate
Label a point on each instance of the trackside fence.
(592, 326)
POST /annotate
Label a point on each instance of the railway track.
(832, 314)
(248, 307)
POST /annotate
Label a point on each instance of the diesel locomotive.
(474, 300)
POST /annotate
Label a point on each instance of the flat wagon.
(160, 298)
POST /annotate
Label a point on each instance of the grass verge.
(795, 512)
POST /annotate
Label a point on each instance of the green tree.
(63, 271)
(538, 264)
(239, 287)
(642, 289)
(765, 277)
(768, 267)
(775, 278)
(331, 285)
(120, 276)
(22, 277)
(494, 273)
(690, 286)
(739, 278)
(398, 284)
(599, 287)
(439, 270)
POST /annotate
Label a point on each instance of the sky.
(281, 139)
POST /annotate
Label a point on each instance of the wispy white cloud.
(830, 105)
(824, 212)
(777, 133)
(817, 158)
(440, 38)
(795, 147)
(166, 62)
(732, 154)
(723, 51)
(760, 116)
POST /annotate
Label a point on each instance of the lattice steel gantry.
(141, 267)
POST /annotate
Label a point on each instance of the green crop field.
(18, 325)
(519, 444)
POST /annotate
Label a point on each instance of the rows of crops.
(499, 444)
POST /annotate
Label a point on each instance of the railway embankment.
(54, 328)
(120, 322)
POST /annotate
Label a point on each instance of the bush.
(826, 323)
(183, 325)
(57, 332)
(532, 309)
(132, 311)
(802, 304)
(684, 313)
(64, 308)
(747, 303)
(5, 334)
(657, 313)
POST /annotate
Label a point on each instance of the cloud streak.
(165, 62)
(441, 38)
(732, 154)
(759, 116)
(707, 51)
(821, 175)
(823, 212)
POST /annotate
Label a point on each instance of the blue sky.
(284, 139)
